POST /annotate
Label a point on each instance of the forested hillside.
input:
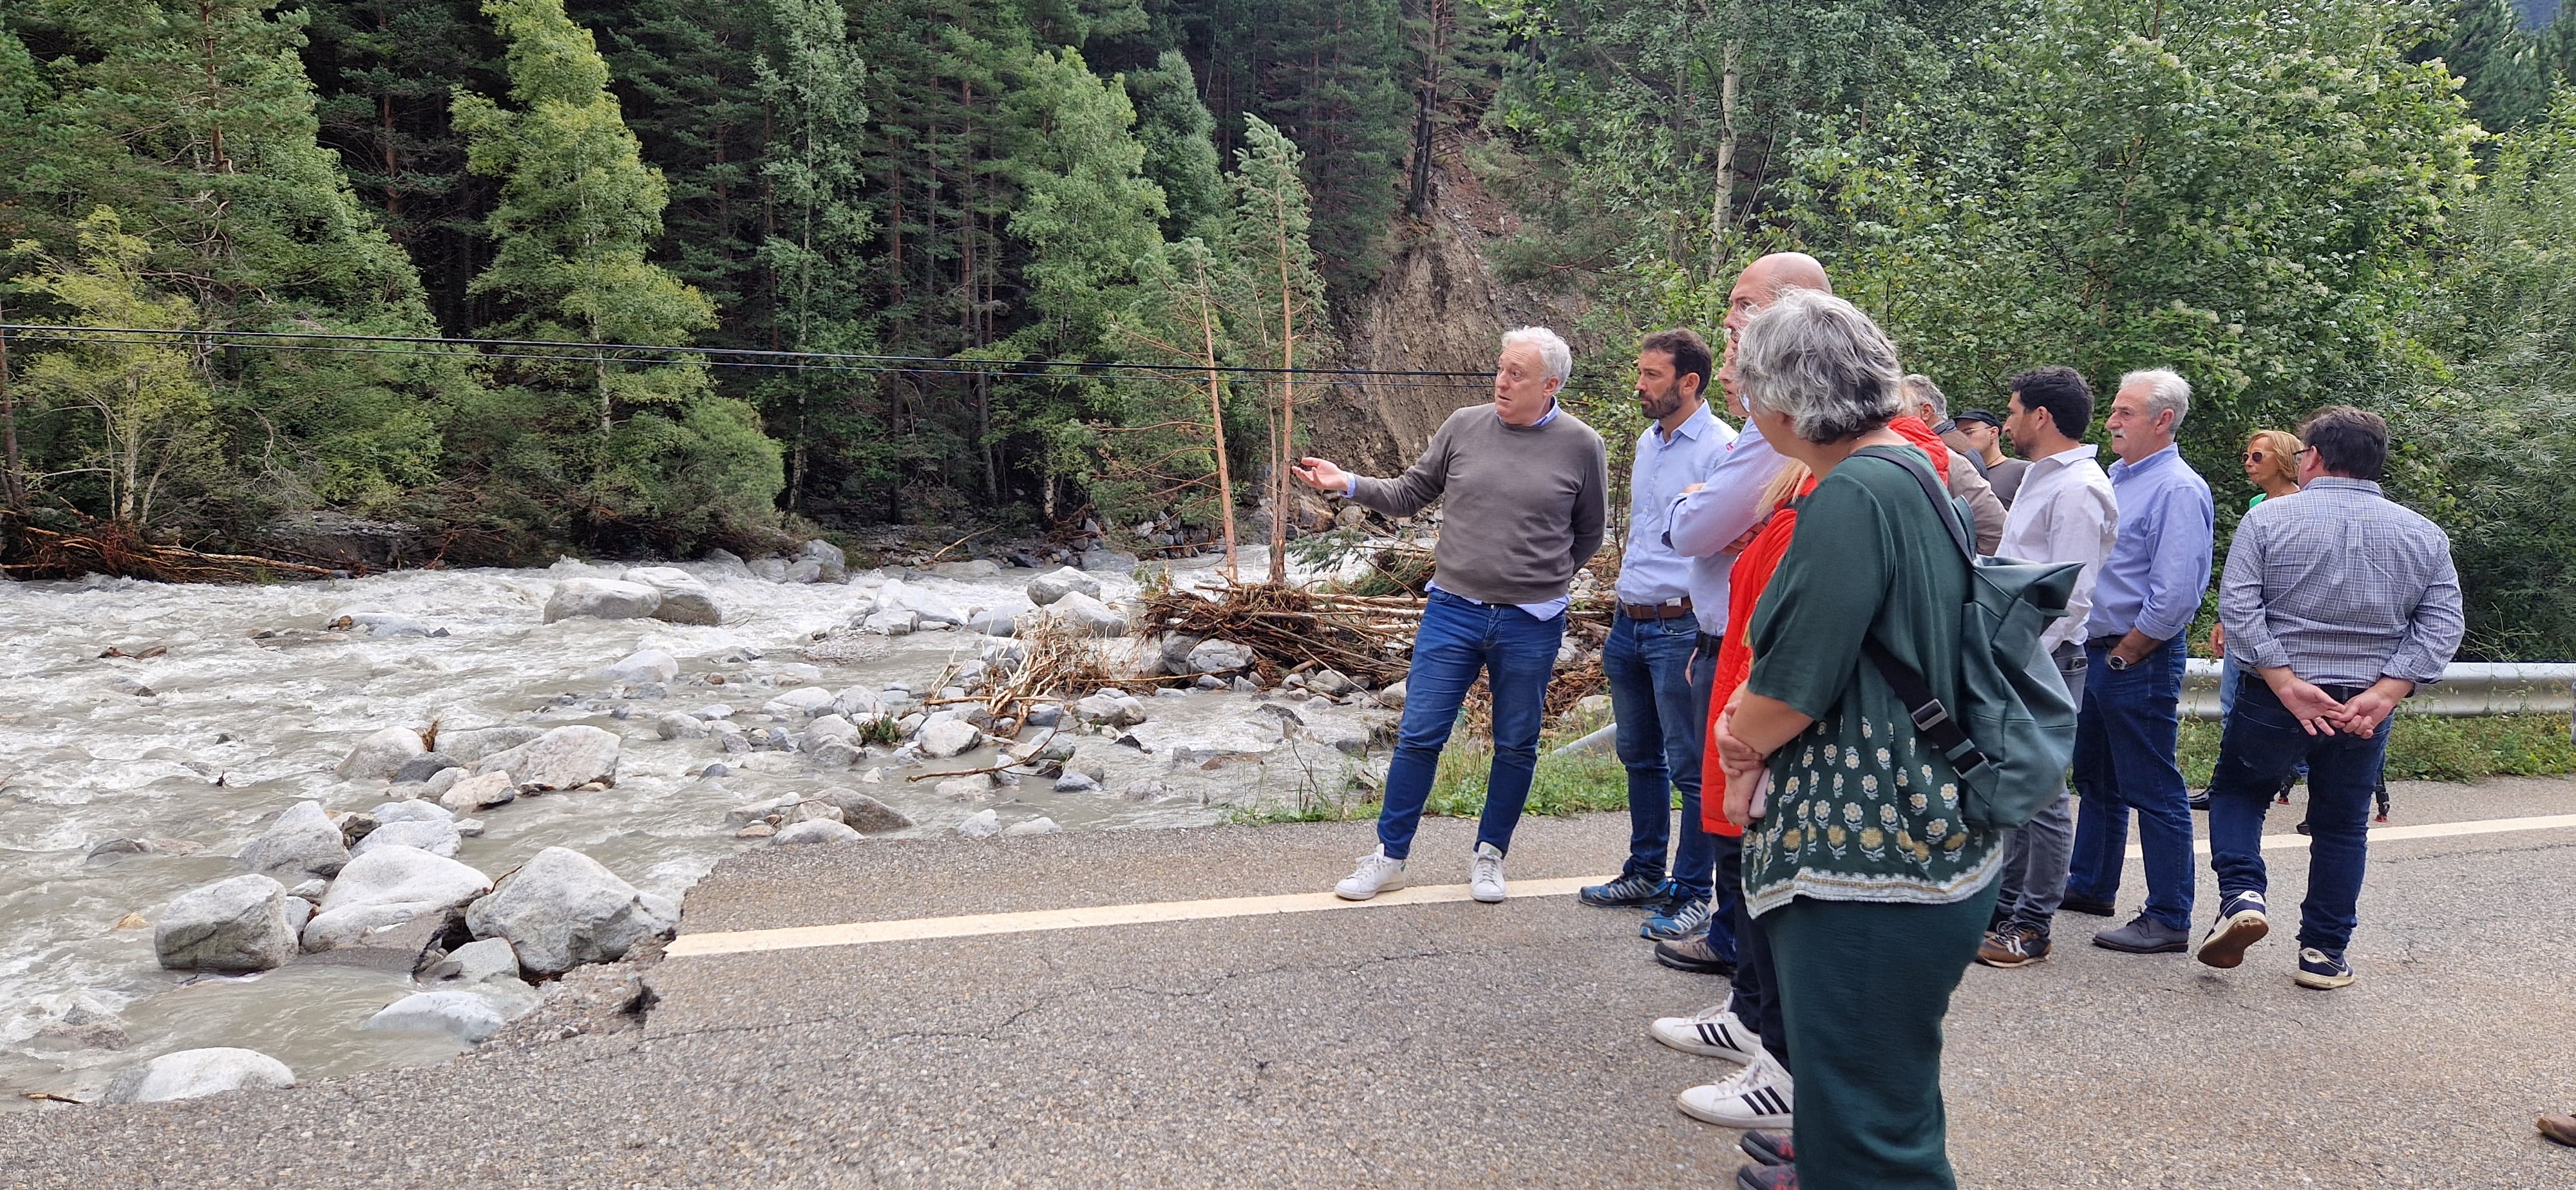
(1029, 262)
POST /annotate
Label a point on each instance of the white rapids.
(234, 730)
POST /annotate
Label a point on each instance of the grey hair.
(1920, 389)
(1821, 362)
(1552, 351)
(2165, 390)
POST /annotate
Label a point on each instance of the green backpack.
(2013, 731)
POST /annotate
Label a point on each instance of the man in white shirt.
(2064, 512)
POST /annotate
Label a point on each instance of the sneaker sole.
(1493, 899)
(1712, 967)
(1702, 1049)
(2010, 962)
(1728, 1120)
(2226, 945)
(1762, 1152)
(2322, 983)
(2178, 946)
(1651, 934)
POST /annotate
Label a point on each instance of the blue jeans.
(1459, 639)
(1659, 716)
(2261, 742)
(2228, 673)
(2124, 760)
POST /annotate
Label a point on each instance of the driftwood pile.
(1290, 630)
(109, 547)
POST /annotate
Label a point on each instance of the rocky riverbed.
(250, 834)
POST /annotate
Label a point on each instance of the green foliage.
(2433, 748)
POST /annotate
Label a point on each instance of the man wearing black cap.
(1984, 431)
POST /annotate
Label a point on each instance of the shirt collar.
(2172, 450)
(1692, 427)
(2078, 453)
(1543, 419)
(2332, 482)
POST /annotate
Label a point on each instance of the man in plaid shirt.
(2346, 602)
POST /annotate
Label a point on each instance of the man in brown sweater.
(1527, 497)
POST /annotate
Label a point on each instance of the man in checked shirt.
(2346, 602)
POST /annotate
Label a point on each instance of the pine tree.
(578, 208)
(1280, 292)
(2498, 62)
(816, 257)
(1180, 154)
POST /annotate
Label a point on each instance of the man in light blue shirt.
(2144, 598)
(1653, 632)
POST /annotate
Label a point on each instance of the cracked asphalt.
(1438, 1045)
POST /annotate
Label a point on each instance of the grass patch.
(2434, 748)
(1563, 785)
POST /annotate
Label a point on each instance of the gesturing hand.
(1321, 475)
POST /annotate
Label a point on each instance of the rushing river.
(235, 729)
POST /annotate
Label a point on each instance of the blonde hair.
(2282, 448)
(1784, 485)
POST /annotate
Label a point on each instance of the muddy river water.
(199, 746)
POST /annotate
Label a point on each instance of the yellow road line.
(860, 933)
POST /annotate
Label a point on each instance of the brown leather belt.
(1656, 611)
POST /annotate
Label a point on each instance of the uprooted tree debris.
(1291, 630)
(116, 548)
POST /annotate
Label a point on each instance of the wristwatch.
(2115, 663)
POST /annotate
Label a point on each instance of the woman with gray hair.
(1871, 889)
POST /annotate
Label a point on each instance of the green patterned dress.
(1860, 808)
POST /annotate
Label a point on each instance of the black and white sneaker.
(2322, 971)
(1713, 1032)
(2240, 924)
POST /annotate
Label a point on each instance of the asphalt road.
(1435, 1045)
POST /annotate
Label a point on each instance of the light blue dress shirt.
(2159, 565)
(1705, 522)
(1651, 570)
(1542, 611)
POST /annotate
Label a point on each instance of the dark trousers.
(2263, 742)
(2124, 760)
(1864, 988)
(1756, 999)
(1659, 711)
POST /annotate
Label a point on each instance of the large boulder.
(189, 1074)
(642, 666)
(231, 925)
(480, 792)
(995, 621)
(601, 599)
(1087, 616)
(565, 758)
(381, 756)
(799, 703)
(925, 607)
(488, 961)
(433, 835)
(685, 599)
(472, 744)
(858, 702)
(1110, 709)
(301, 845)
(859, 810)
(1055, 584)
(341, 928)
(948, 737)
(562, 909)
(463, 1016)
(1219, 657)
(403, 875)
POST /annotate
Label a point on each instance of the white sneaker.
(1486, 883)
(1757, 1096)
(1712, 1032)
(1376, 874)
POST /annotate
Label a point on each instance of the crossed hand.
(2321, 714)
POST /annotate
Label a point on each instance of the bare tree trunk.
(16, 495)
(1216, 424)
(1722, 213)
(1287, 402)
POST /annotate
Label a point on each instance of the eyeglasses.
(2255, 456)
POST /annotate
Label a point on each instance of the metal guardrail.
(2466, 688)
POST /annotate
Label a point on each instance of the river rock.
(238, 924)
(402, 875)
(381, 756)
(601, 599)
(1393, 695)
(966, 789)
(803, 571)
(858, 702)
(643, 665)
(299, 911)
(488, 961)
(995, 621)
(388, 813)
(971, 568)
(1108, 561)
(685, 599)
(890, 623)
(335, 929)
(425, 766)
(565, 758)
(859, 810)
(982, 824)
(378, 623)
(1111, 709)
(925, 607)
(436, 836)
(467, 1018)
(472, 745)
(303, 843)
(562, 909)
(1219, 657)
(190, 1074)
(1330, 681)
(818, 830)
(1087, 616)
(1055, 584)
(480, 792)
(799, 703)
(942, 738)
(1075, 782)
(1034, 826)
(1045, 714)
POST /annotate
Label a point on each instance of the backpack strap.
(1931, 719)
